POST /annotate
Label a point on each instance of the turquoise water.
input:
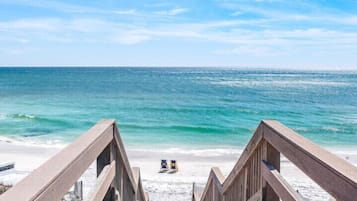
(159, 107)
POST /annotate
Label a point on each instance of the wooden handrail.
(54, 178)
(120, 147)
(248, 151)
(251, 179)
(196, 196)
(257, 196)
(215, 180)
(317, 163)
(103, 182)
(278, 183)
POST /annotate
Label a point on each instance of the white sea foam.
(33, 142)
(330, 128)
(28, 116)
(3, 116)
(301, 129)
(209, 152)
(343, 150)
(7, 139)
(20, 115)
(278, 83)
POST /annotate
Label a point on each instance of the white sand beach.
(193, 167)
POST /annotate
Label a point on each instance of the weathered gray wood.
(339, 165)
(271, 138)
(53, 179)
(216, 180)
(118, 181)
(146, 196)
(335, 175)
(104, 159)
(122, 183)
(218, 177)
(248, 151)
(103, 183)
(122, 153)
(129, 188)
(194, 197)
(78, 190)
(136, 174)
(278, 183)
(207, 188)
(256, 197)
(271, 155)
(140, 195)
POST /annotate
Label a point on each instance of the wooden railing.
(116, 180)
(256, 176)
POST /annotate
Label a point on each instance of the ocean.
(181, 108)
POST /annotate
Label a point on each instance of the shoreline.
(193, 167)
(347, 152)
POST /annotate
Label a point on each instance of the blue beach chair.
(164, 167)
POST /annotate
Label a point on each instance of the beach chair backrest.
(163, 164)
(173, 164)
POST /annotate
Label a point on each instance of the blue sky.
(304, 34)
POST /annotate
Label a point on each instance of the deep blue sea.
(176, 107)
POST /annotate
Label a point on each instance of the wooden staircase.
(256, 176)
(116, 180)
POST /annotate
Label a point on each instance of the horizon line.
(173, 66)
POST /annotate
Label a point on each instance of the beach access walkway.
(255, 177)
(116, 180)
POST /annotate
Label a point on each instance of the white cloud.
(125, 12)
(131, 38)
(54, 5)
(236, 13)
(349, 20)
(229, 34)
(251, 50)
(172, 12)
(48, 24)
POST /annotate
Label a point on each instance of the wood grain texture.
(54, 178)
(278, 183)
(248, 151)
(213, 191)
(332, 173)
(103, 183)
(256, 197)
(339, 165)
(245, 181)
(122, 153)
(271, 155)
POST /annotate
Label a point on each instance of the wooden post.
(245, 183)
(122, 183)
(193, 192)
(271, 155)
(104, 159)
(78, 190)
(101, 144)
(116, 185)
